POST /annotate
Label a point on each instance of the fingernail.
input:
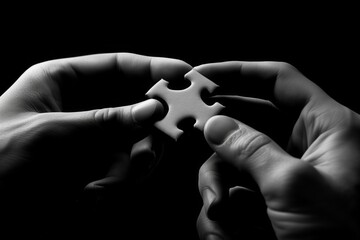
(146, 111)
(218, 128)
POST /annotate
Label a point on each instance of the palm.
(308, 199)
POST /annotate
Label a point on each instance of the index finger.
(278, 82)
(101, 80)
(127, 65)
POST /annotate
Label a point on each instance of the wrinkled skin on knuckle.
(37, 89)
(113, 117)
(206, 179)
(247, 144)
(286, 68)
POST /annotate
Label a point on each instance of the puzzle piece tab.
(185, 103)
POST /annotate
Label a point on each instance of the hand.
(64, 125)
(311, 193)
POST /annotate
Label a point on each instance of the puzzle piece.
(185, 103)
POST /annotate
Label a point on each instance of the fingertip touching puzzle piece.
(185, 103)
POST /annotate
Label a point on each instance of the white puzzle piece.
(185, 103)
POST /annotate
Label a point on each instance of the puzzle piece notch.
(185, 103)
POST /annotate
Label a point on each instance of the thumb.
(95, 129)
(248, 150)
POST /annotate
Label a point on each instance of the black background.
(321, 42)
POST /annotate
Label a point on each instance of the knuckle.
(204, 177)
(54, 70)
(203, 169)
(210, 170)
(207, 178)
(281, 68)
(278, 65)
(114, 119)
(208, 164)
(249, 143)
(109, 116)
(285, 67)
(35, 71)
(100, 116)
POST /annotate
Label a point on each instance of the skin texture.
(309, 191)
(60, 138)
(60, 132)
